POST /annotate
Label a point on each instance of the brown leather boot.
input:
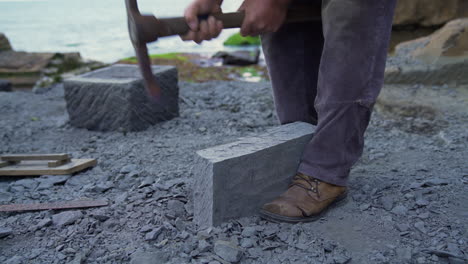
(305, 200)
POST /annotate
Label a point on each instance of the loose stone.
(66, 218)
(228, 251)
(5, 231)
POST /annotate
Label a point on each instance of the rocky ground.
(408, 198)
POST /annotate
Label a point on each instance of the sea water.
(95, 28)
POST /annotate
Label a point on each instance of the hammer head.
(142, 30)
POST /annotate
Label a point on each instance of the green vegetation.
(253, 71)
(19, 74)
(238, 40)
(164, 56)
(190, 71)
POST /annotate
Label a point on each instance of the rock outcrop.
(4, 43)
(429, 12)
(447, 45)
(439, 58)
(30, 69)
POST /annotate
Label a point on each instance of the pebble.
(128, 168)
(249, 231)
(400, 210)
(26, 183)
(270, 230)
(66, 218)
(146, 182)
(100, 187)
(424, 215)
(387, 202)
(203, 246)
(5, 197)
(248, 243)
(176, 207)
(434, 182)
(420, 226)
(283, 236)
(100, 216)
(404, 253)
(79, 258)
(15, 260)
(149, 257)
(421, 260)
(402, 227)
(180, 224)
(422, 202)
(43, 223)
(154, 234)
(204, 234)
(453, 260)
(340, 259)
(146, 228)
(228, 251)
(69, 251)
(34, 253)
(454, 249)
(364, 207)
(5, 231)
(47, 181)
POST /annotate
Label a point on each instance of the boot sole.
(340, 200)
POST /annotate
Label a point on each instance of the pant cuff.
(323, 175)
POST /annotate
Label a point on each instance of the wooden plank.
(57, 163)
(52, 206)
(34, 168)
(21, 157)
(8, 163)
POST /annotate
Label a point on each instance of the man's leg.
(351, 75)
(293, 57)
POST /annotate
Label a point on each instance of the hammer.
(144, 29)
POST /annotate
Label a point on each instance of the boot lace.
(306, 182)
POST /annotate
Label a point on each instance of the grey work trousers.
(331, 72)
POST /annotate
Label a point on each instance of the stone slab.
(114, 98)
(234, 180)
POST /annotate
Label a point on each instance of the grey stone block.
(234, 180)
(114, 98)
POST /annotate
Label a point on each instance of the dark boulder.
(5, 86)
(239, 58)
(4, 43)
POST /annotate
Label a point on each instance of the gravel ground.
(408, 198)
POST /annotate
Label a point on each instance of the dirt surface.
(408, 194)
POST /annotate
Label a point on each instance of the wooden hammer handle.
(178, 25)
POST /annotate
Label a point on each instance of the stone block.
(114, 98)
(234, 180)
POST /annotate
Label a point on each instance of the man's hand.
(205, 29)
(262, 16)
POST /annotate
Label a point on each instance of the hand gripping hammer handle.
(144, 29)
